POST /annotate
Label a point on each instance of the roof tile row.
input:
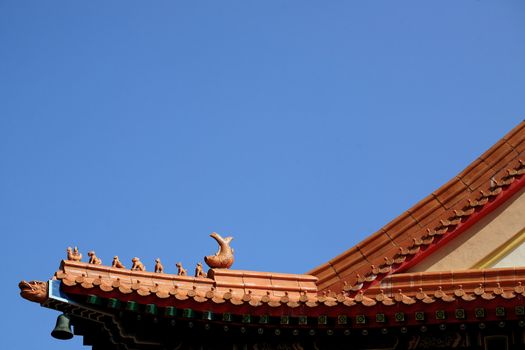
(407, 289)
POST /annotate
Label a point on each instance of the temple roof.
(368, 280)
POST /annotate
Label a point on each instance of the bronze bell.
(63, 328)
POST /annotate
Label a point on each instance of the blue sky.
(297, 127)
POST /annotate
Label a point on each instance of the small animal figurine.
(70, 254)
(73, 254)
(116, 263)
(181, 271)
(158, 266)
(93, 259)
(137, 265)
(198, 271)
(223, 259)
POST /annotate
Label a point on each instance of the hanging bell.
(63, 328)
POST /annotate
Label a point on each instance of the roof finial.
(223, 259)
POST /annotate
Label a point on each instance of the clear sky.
(137, 128)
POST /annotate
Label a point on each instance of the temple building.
(447, 273)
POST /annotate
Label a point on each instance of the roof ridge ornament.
(199, 272)
(137, 265)
(73, 254)
(223, 259)
(116, 263)
(35, 291)
(93, 258)
(159, 268)
(181, 271)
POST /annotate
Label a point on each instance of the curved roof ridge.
(434, 221)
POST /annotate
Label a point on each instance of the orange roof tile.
(236, 286)
(434, 221)
(230, 289)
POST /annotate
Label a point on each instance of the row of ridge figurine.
(137, 265)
